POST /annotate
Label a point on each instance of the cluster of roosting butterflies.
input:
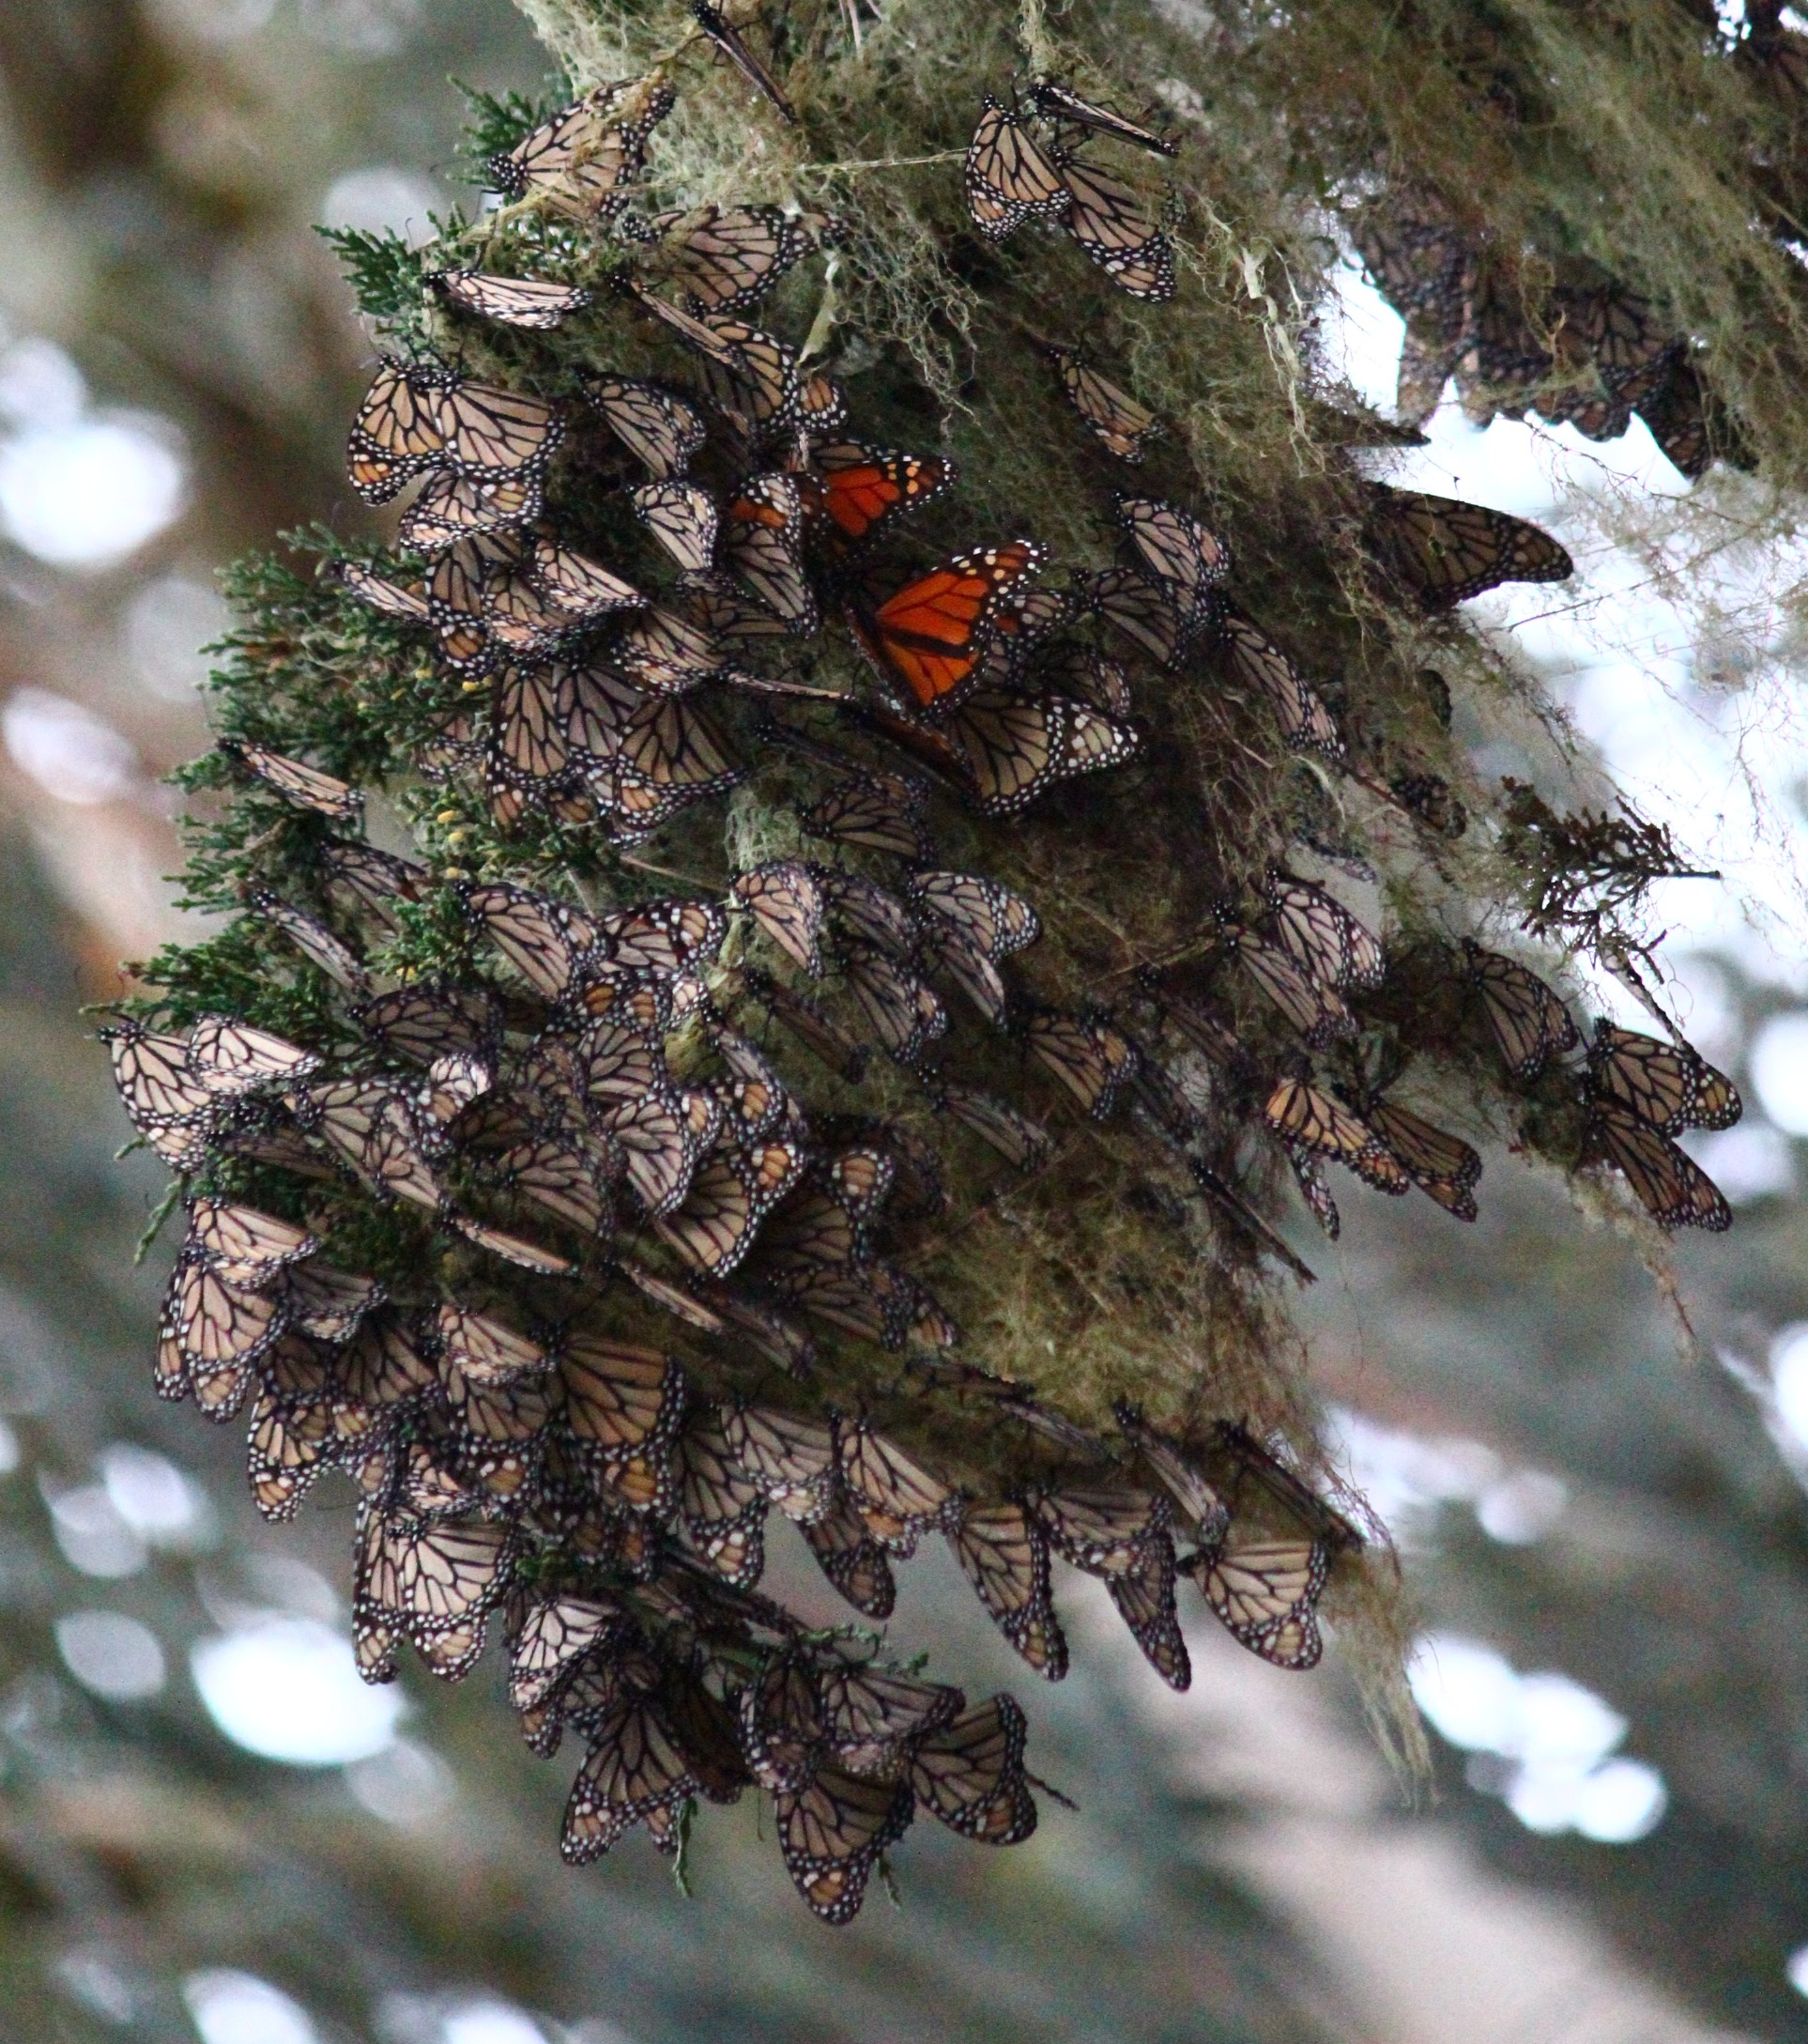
(610, 1499)
(1587, 350)
(586, 1128)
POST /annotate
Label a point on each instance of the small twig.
(160, 1214)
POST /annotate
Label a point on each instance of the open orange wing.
(933, 633)
(855, 491)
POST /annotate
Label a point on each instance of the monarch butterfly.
(683, 518)
(852, 1560)
(457, 582)
(1439, 1164)
(527, 746)
(431, 1575)
(832, 1832)
(579, 587)
(1090, 1058)
(750, 375)
(215, 1323)
(869, 911)
(662, 430)
(1114, 416)
(788, 902)
(1143, 1595)
(289, 1446)
(513, 1410)
(816, 1230)
(232, 1057)
(619, 1398)
(648, 754)
(330, 1304)
(1305, 1118)
(1004, 1554)
(728, 257)
(1418, 260)
(754, 1099)
(376, 881)
(396, 433)
(882, 812)
(1140, 612)
(489, 433)
(1671, 1187)
(1266, 1590)
(520, 623)
(425, 1022)
(548, 1633)
(930, 635)
(902, 1010)
(720, 31)
(1305, 723)
(712, 603)
(972, 971)
(1184, 557)
(1104, 216)
(661, 1145)
(1002, 748)
(1687, 425)
(781, 1723)
(970, 1775)
(542, 940)
(515, 301)
(632, 1774)
(871, 1717)
(825, 1038)
(855, 492)
(311, 937)
(730, 1195)
(1180, 1474)
(1019, 1140)
(454, 507)
(1445, 551)
(1529, 1024)
(1058, 103)
(765, 547)
(665, 654)
(513, 1248)
(382, 1366)
(561, 1179)
(1664, 1085)
(1322, 934)
(722, 1506)
(1007, 178)
(1317, 1011)
(579, 161)
(305, 786)
(401, 600)
(988, 913)
(1102, 1531)
(791, 1457)
(246, 1247)
(664, 936)
(822, 408)
(897, 1499)
(618, 1063)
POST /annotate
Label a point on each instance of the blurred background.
(210, 1829)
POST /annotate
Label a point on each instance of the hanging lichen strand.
(780, 940)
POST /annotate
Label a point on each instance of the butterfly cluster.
(568, 1192)
(610, 1499)
(1582, 350)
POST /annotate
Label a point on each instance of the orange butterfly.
(853, 491)
(933, 635)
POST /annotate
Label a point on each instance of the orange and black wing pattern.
(933, 635)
